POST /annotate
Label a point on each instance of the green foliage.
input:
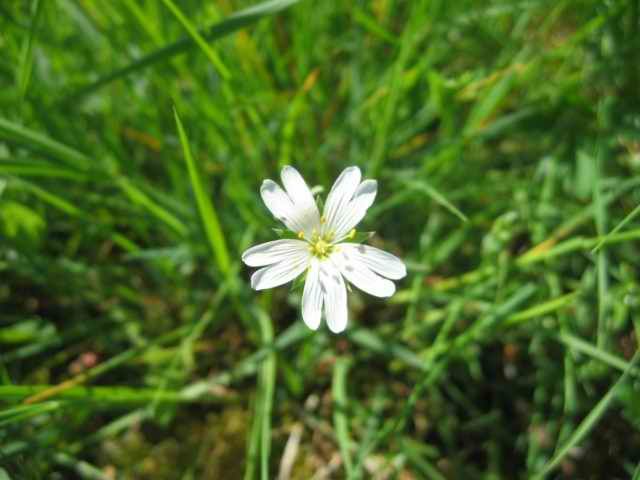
(134, 137)
(20, 223)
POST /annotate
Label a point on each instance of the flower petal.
(280, 273)
(301, 197)
(312, 297)
(356, 209)
(362, 277)
(381, 262)
(335, 297)
(339, 197)
(280, 205)
(273, 252)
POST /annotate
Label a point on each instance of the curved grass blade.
(138, 196)
(83, 468)
(233, 23)
(195, 35)
(102, 368)
(293, 335)
(205, 205)
(588, 423)
(596, 353)
(369, 340)
(21, 412)
(634, 213)
(36, 141)
(438, 197)
(52, 199)
(68, 208)
(488, 103)
(40, 170)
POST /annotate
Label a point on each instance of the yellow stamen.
(301, 235)
(321, 247)
(352, 234)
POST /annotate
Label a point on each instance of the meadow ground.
(505, 138)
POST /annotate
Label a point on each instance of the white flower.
(320, 250)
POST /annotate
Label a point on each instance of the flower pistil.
(321, 247)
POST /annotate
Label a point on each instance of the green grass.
(134, 137)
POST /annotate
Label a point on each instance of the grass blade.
(198, 39)
(253, 444)
(293, 335)
(111, 395)
(52, 199)
(488, 104)
(233, 23)
(340, 418)
(268, 382)
(634, 213)
(588, 423)
(438, 197)
(410, 38)
(21, 412)
(602, 260)
(205, 205)
(541, 309)
(586, 348)
(84, 469)
(139, 197)
(33, 140)
(259, 443)
(367, 339)
(100, 369)
(26, 60)
(418, 459)
(40, 170)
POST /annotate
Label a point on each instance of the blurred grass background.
(505, 136)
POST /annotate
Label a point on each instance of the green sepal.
(360, 237)
(284, 233)
(298, 283)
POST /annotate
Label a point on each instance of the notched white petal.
(335, 297)
(358, 274)
(303, 201)
(312, 297)
(381, 262)
(273, 252)
(279, 204)
(356, 209)
(296, 207)
(279, 273)
(340, 195)
(297, 189)
(368, 188)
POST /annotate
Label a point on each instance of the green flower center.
(321, 247)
